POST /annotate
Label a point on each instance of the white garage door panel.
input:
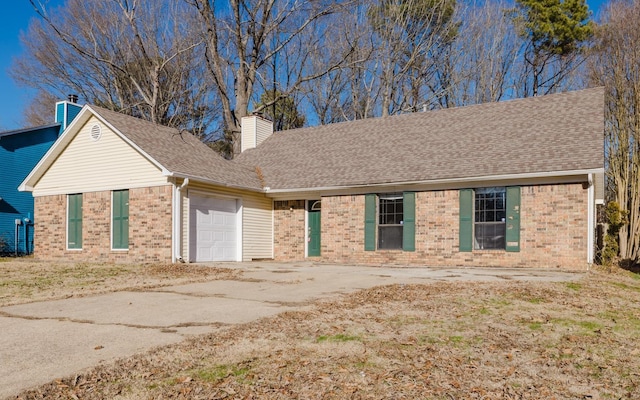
(213, 229)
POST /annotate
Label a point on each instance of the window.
(489, 218)
(390, 211)
(390, 221)
(74, 221)
(120, 220)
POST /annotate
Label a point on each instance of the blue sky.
(14, 19)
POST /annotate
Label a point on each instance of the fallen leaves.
(25, 280)
(444, 340)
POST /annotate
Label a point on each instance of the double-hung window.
(490, 218)
(390, 221)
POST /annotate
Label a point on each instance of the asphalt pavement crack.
(90, 322)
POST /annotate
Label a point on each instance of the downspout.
(591, 226)
(16, 239)
(177, 221)
(27, 223)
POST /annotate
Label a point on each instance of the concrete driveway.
(47, 340)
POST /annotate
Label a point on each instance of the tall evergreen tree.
(280, 109)
(555, 32)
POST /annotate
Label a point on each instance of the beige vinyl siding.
(264, 129)
(257, 220)
(257, 230)
(599, 187)
(254, 131)
(106, 164)
(248, 133)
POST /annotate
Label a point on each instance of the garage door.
(213, 229)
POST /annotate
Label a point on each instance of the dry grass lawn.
(511, 340)
(24, 280)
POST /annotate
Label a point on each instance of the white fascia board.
(210, 181)
(55, 150)
(571, 176)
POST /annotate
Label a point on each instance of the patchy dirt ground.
(511, 340)
(23, 280)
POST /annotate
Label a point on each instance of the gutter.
(177, 221)
(211, 181)
(472, 179)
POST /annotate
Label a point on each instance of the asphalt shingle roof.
(181, 153)
(559, 132)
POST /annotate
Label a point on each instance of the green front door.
(314, 229)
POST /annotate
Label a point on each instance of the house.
(513, 183)
(20, 151)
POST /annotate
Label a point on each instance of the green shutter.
(370, 222)
(120, 221)
(512, 235)
(74, 221)
(409, 221)
(466, 220)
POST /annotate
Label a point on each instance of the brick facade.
(149, 227)
(554, 220)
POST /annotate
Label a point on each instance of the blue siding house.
(20, 151)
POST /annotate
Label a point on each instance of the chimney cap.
(260, 114)
(73, 98)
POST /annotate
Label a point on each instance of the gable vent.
(96, 132)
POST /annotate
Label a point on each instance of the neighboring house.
(502, 184)
(20, 151)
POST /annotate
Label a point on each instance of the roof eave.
(31, 129)
(180, 175)
(449, 181)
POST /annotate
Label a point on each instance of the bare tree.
(243, 36)
(351, 91)
(136, 57)
(412, 36)
(41, 110)
(485, 53)
(615, 63)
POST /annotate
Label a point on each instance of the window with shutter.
(490, 219)
(390, 221)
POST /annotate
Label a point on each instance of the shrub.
(616, 218)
